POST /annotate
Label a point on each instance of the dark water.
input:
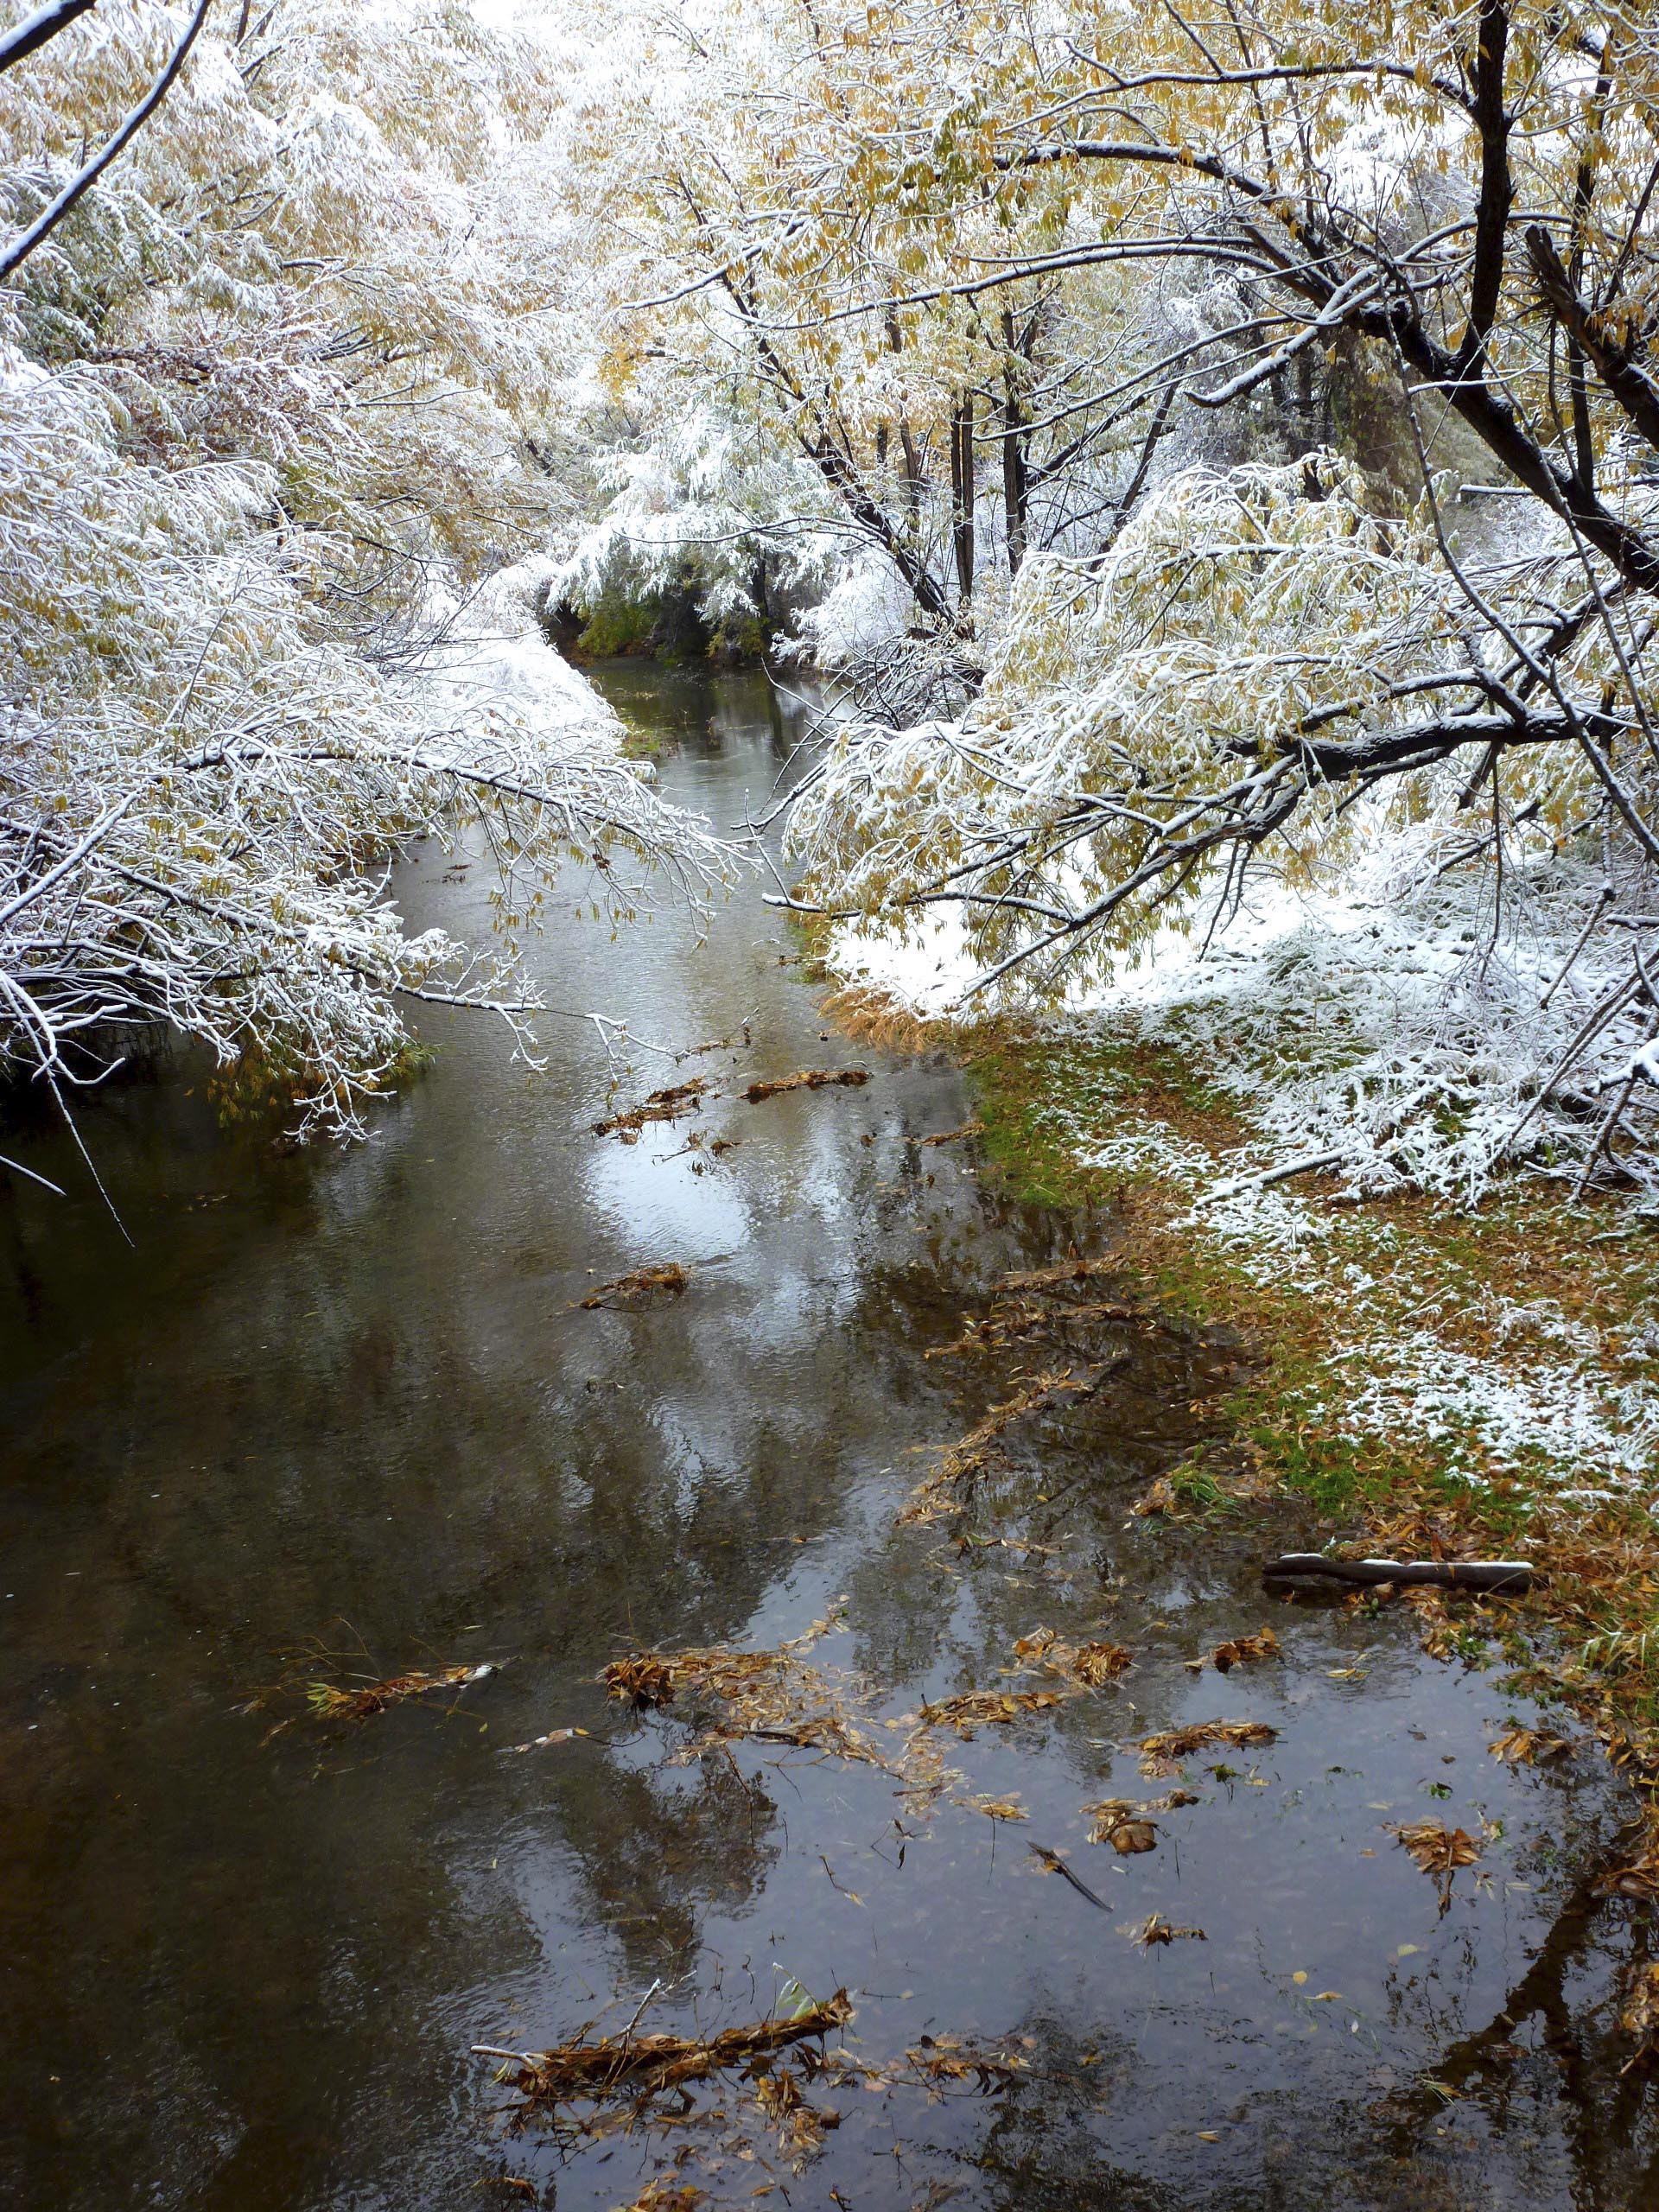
(339, 1402)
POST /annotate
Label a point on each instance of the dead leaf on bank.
(1072, 1270)
(1159, 1497)
(1154, 1928)
(1639, 1880)
(1639, 2015)
(808, 1079)
(1439, 1630)
(329, 1702)
(954, 1136)
(632, 1289)
(1525, 1746)
(1006, 1325)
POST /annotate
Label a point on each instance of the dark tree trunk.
(961, 499)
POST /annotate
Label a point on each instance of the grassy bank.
(1428, 1380)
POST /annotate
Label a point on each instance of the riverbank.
(1423, 1379)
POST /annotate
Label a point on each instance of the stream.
(340, 1413)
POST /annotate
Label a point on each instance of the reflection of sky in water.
(663, 1209)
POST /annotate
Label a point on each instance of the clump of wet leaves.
(575, 2086)
(1155, 1930)
(665, 1105)
(1239, 1651)
(1639, 2014)
(1131, 1827)
(636, 1288)
(1162, 1753)
(1526, 1746)
(939, 2059)
(1091, 1665)
(333, 1691)
(972, 1709)
(775, 1697)
(334, 1702)
(666, 2196)
(808, 1079)
(1439, 1851)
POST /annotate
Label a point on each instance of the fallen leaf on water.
(629, 1289)
(329, 1702)
(1436, 1849)
(1154, 1928)
(661, 1106)
(1092, 1664)
(553, 1736)
(1175, 1743)
(973, 1709)
(1240, 1651)
(1122, 1824)
(1524, 1746)
(808, 1079)
(994, 1809)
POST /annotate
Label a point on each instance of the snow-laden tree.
(735, 167)
(1455, 203)
(270, 400)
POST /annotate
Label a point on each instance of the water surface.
(338, 1404)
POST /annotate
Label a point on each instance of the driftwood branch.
(1512, 1576)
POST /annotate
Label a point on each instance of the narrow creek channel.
(340, 1403)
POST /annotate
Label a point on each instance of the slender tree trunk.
(1016, 473)
(961, 501)
(1016, 483)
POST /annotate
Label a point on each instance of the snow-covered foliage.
(267, 406)
(704, 509)
(1444, 210)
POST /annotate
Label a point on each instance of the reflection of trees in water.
(1547, 2053)
(1564, 2129)
(658, 1848)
